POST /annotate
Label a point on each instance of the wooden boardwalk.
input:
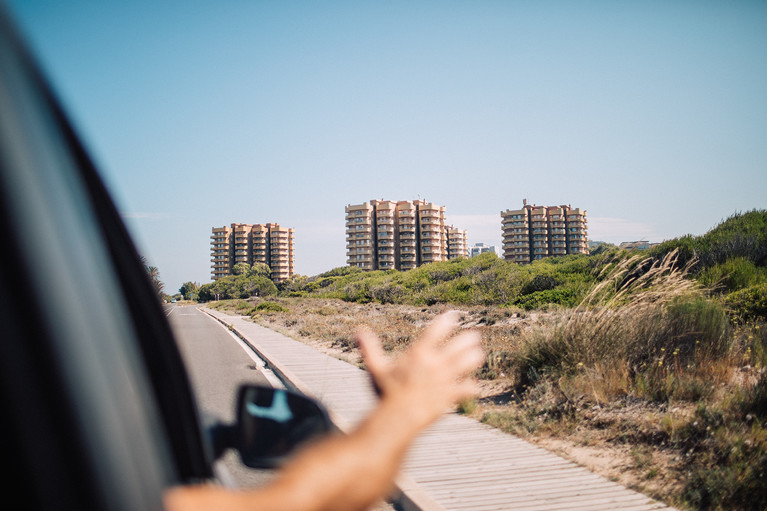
(456, 464)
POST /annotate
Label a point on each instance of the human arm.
(352, 472)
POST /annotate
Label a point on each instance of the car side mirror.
(271, 424)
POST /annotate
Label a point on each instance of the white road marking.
(268, 373)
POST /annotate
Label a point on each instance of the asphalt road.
(217, 365)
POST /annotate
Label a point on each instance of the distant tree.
(241, 269)
(295, 284)
(205, 293)
(154, 276)
(189, 290)
(243, 285)
(257, 286)
(261, 270)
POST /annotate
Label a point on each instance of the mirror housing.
(270, 424)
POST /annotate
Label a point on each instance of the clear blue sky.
(651, 115)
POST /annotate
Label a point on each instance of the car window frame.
(42, 401)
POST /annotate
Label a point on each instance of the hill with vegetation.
(728, 259)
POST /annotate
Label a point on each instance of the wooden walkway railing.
(458, 463)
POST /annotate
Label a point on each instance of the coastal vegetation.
(655, 360)
(246, 281)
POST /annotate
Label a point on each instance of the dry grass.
(331, 324)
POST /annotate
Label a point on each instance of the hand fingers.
(465, 390)
(464, 353)
(439, 329)
(372, 351)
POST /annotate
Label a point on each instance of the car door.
(97, 408)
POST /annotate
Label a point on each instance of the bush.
(749, 304)
(694, 323)
(743, 235)
(357, 292)
(388, 292)
(539, 283)
(270, 307)
(732, 275)
(655, 321)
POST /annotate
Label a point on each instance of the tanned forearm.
(349, 472)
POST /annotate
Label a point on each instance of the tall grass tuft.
(642, 328)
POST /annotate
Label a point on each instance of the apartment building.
(268, 243)
(456, 242)
(481, 248)
(401, 235)
(534, 232)
(221, 252)
(635, 245)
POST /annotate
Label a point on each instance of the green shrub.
(538, 283)
(749, 304)
(243, 307)
(743, 235)
(454, 291)
(538, 299)
(388, 292)
(694, 323)
(358, 291)
(657, 318)
(269, 307)
(732, 275)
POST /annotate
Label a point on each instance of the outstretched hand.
(432, 375)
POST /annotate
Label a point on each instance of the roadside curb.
(408, 495)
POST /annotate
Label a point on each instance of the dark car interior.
(98, 412)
